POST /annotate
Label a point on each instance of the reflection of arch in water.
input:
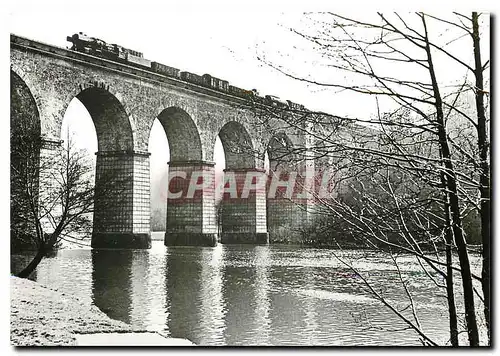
(311, 315)
(148, 298)
(213, 308)
(262, 262)
(195, 307)
(243, 299)
(111, 282)
(182, 283)
(141, 303)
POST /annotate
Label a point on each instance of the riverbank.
(41, 316)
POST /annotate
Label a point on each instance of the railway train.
(97, 47)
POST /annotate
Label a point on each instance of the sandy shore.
(41, 316)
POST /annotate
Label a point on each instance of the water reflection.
(261, 291)
(240, 295)
(112, 282)
(246, 291)
(182, 285)
(289, 308)
(212, 309)
(310, 313)
(156, 313)
(71, 275)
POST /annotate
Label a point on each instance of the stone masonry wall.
(114, 193)
(188, 214)
(241, 215)
(141, 194)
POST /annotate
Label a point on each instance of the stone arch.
(113, 127)
(286, 212)
(24, 112)
(238, 147)
(21, 75)
(25, 133)
(281, 152)
(182, 134)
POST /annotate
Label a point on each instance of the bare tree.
(52, 193)
(424, 131)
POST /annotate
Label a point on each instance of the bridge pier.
(191, 204)
(244, 207)
(46, 157)
(123, 102)
(288, 204)
(122, 211)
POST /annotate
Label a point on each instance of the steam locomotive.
(97, 47)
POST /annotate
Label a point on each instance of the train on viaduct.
(124, 93)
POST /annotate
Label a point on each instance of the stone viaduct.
(123, 102)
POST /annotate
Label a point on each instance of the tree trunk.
(25, 273)
(451, 185)
(450, 296)
(484, 180)
(452, 309)
(463, 256)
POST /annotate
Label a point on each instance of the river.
(250, 295)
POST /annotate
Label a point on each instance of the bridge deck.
(110, 65)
